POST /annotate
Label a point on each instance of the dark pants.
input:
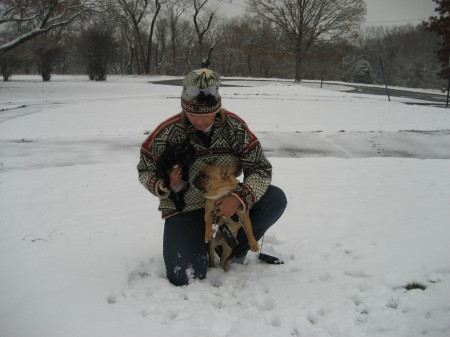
(184, 247)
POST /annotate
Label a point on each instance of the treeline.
(408, 54)
(173, 37)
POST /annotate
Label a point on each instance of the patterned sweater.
(232, 143)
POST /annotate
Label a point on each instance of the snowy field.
(365, 239)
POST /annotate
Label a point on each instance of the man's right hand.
(175, 176)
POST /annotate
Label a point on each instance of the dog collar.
(216, 197)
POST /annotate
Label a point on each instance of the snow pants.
(184, 247)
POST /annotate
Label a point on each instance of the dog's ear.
(228, 171)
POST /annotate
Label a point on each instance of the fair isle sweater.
(232, 143)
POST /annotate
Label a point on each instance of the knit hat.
(200, 94)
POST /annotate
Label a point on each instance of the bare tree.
(31, 18)
(233, 50)
(150, 37)
(97, 48)
(203, 25)
(8, 63)
(136, 12)
(185, 45)
(307, 24)
(44, 51)
(174, 10)
(161, 42)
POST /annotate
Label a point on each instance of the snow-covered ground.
(81, 240)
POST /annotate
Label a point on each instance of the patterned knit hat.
(200, 94)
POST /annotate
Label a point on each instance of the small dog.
(216, 182)
(181, 154)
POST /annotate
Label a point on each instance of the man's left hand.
(227, 206)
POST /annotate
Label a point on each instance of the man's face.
(201, 122)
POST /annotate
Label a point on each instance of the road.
(431, 99)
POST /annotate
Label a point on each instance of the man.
(219, 137)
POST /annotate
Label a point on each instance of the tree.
(407, 52)
(235, 50)
(8, 63)
(308, 24)
(136, 12)
(161, 42)
(441, 26)
(202, 27)
(362, 72)
(174, 10)
(45, 50)
(150, 37)
(97, 48)
(31, 18)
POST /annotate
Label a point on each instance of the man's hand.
(227, 206)
(175, 176)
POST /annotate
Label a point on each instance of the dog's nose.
(198, 184)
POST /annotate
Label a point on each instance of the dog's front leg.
(247, 224)
(211, 247)
(209, 219)
(226, 253)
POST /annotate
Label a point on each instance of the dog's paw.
(254, 246)
(208, 236)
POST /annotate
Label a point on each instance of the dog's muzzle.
(198, 184)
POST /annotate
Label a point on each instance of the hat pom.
(208, 99)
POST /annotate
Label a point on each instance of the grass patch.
(412, 286)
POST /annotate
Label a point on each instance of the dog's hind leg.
(209, 219)
(247, 224)
(226, 253)
(211, 247)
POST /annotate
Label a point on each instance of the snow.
(81, 239)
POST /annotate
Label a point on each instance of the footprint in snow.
(357, 274)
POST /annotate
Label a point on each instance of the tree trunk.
(298, 68)
(249, 63)
(130, 69)
(45, 65)
(148, 61)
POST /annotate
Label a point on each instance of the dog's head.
(215, 181)
(184, 153)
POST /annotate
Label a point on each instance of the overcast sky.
(379, 12)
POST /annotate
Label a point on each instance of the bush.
(97, 48)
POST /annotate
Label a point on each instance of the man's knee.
(181, 274)
(274, 198)
(277, 196)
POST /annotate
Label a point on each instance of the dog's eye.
(203, 175)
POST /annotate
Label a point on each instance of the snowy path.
(27, 153)
(404, 144)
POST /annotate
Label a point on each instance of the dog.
(178, 154)
(216, 182)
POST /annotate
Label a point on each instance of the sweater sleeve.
(255, 166)
(146, 172)
(151, 149)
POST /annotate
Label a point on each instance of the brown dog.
(217, 182)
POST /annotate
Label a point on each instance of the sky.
(388, 12)
(379, 12)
